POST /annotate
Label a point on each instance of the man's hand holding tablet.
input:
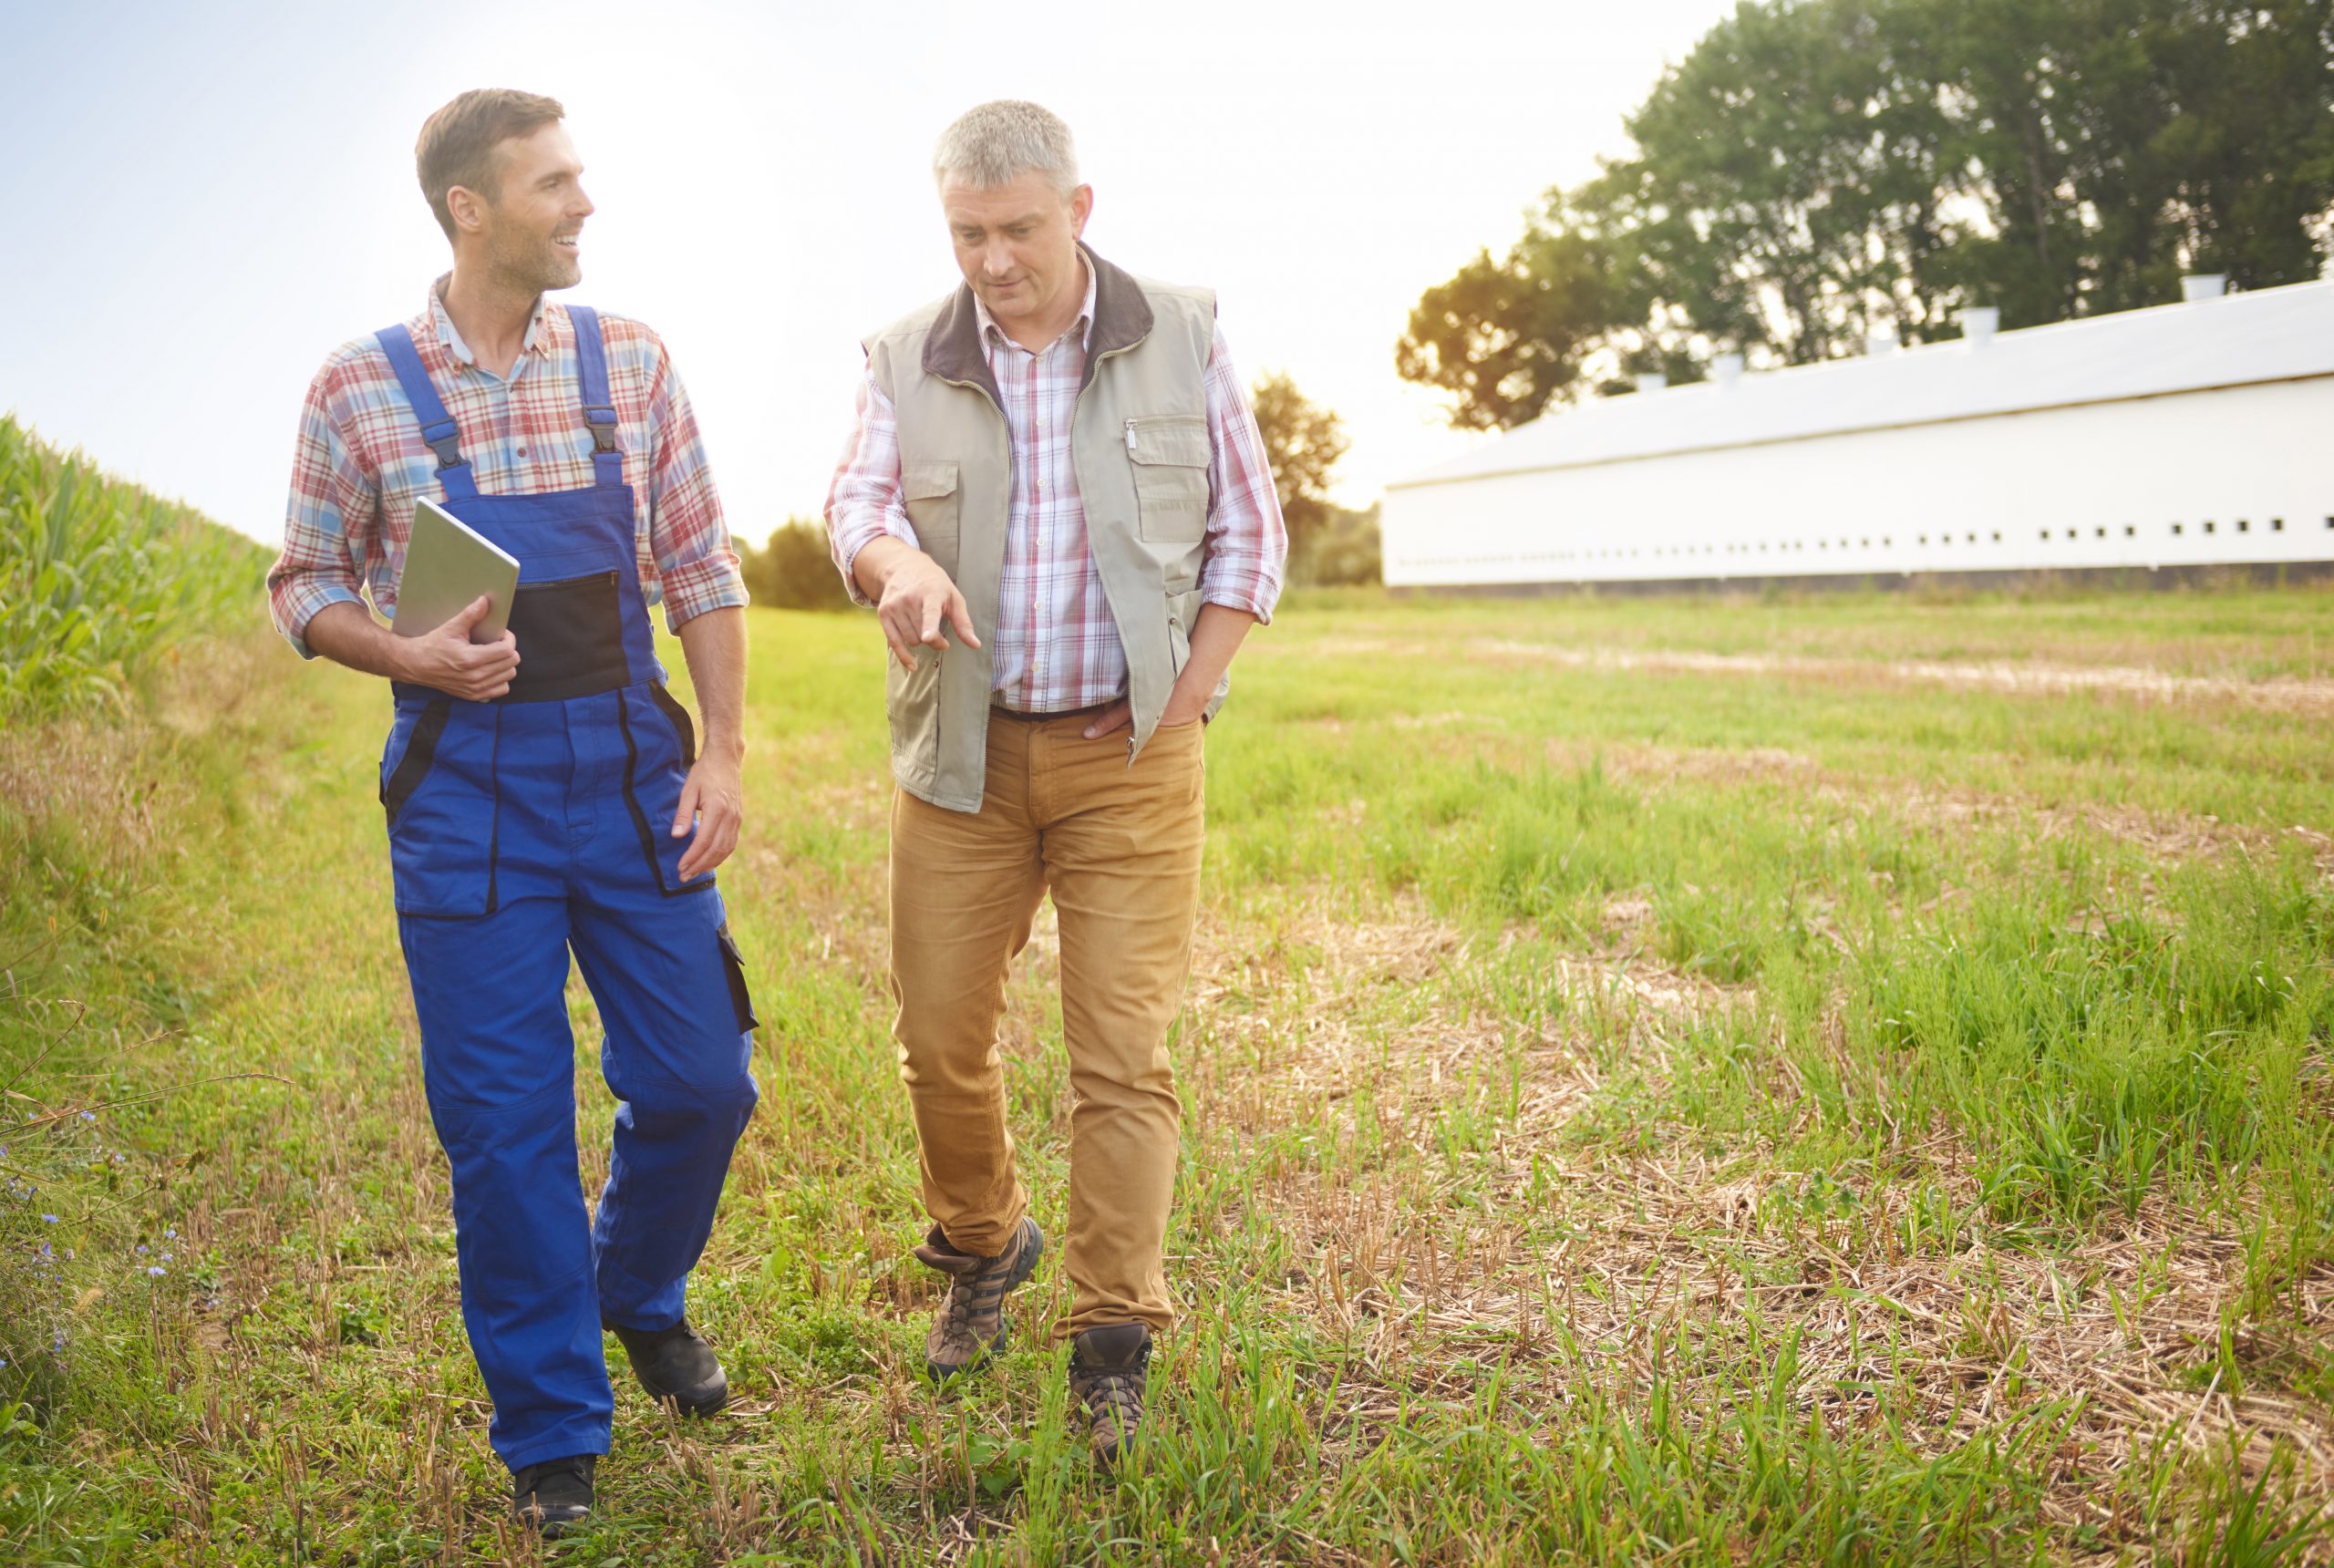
(445, 659)
(456, 595)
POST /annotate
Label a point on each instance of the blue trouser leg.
(676, 1055)
(499, 1067)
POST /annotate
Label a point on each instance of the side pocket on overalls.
(653, 776)
(443, 806)
(683, 730)
(398, 783)
(734, 965)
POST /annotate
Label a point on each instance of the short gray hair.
(997, 142)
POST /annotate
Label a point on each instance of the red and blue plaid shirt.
(1055, 647)
(360, 465)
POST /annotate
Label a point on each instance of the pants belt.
(1001, 711)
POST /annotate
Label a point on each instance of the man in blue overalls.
(542, 790)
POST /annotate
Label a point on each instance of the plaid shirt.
(360, 464)
(1055, 647)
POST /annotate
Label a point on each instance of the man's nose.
(997, 260)
(582, 207)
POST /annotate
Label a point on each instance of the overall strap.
(437, 427)
(599, 409)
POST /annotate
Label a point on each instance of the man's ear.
(1081, 207)
(467, 208)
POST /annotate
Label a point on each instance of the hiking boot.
(676, 1364)
(971, 1325)
(1107, 1369)
(555, 1496)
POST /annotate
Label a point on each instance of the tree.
(794, 570)
(1505, 337)
(1818, 169)
(1303, 441)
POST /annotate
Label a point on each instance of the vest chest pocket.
(929, 493)
(1169, 455)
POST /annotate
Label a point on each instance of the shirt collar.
(537, 341)
(992, 334)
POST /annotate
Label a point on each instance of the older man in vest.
(1057, 502)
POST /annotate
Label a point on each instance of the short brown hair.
(457, 142)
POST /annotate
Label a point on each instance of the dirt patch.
(2281, 695)
(2169, 836)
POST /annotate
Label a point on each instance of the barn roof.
(2240, 339)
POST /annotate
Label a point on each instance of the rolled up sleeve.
(1247, 542)
(329, 522)
(697, 567)
(863, 503)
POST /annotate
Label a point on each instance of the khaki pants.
(1120, 849)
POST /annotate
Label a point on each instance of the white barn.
(2165, 440)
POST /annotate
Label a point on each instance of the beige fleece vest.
(1139, 445)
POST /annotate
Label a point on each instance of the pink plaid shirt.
(1055, 645)
(360, 464)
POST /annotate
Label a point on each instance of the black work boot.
(971, 1325)
(676, 1364)
(555, 1496)
(1107, 1369)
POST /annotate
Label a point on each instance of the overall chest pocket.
(1169, 455)
(935, 506)
(440, 790)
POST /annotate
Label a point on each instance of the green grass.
(1639, 1110)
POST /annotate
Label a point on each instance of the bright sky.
(202, 200)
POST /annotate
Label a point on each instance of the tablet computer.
(448, 564)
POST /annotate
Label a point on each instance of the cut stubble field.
(1695, 1080)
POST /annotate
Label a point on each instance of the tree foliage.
(1303, 442)
(1818, 170)
(793, 571)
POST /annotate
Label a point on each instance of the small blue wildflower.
(166, 1257)
(172, 1233)
(50, 1218)
(88, 1116)
(141, 1249)
(157, 1271)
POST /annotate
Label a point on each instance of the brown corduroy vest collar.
(953, 349)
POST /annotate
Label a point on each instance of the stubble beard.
(536, 265)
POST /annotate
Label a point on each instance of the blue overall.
(518, 829)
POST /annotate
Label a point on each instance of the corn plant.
(97, 577)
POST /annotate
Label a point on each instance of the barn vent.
(1651, 381)
(1726, 370)
(2204, 285)
(1979, 323)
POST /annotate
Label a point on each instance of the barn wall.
(2241, 475)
